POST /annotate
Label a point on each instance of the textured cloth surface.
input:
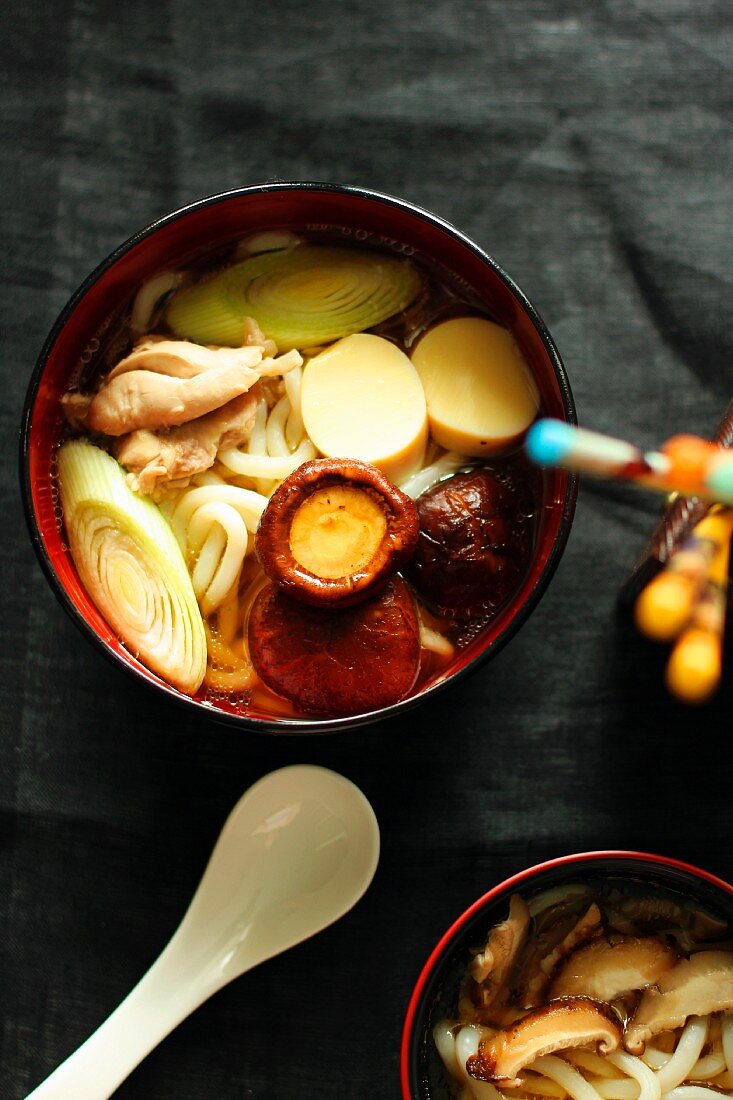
(588, 147)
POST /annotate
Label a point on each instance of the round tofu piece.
(480, 391)
(362, 398)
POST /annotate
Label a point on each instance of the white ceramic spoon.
(296, 853)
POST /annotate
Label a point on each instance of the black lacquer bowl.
(352, 215)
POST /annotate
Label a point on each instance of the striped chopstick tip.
(549, 442)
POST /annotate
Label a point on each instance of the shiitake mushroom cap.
(336, 661)
(313, 503)
(473, 548)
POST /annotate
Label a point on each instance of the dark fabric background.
(587, 145)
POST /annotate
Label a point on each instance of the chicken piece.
(181, 358)
(145, 399)
(154, 461)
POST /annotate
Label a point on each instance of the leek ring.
(131, 565)
(300, 298)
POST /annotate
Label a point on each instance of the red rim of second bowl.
(502, 887)
(288, 724)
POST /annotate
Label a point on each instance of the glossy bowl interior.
(354, 215)
(435, 995)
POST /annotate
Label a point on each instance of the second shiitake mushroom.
(474, 543)
(335, 531)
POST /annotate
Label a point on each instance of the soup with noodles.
(291, 477)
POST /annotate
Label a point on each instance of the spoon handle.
(169, 992)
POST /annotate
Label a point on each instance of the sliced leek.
(301, 297)
(131, 565)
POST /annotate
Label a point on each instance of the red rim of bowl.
(502, 887)
(120, 657)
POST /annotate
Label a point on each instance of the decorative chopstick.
(664, 607)
(680, 586)
(695, 665)
(678, 520)
(685, 463)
